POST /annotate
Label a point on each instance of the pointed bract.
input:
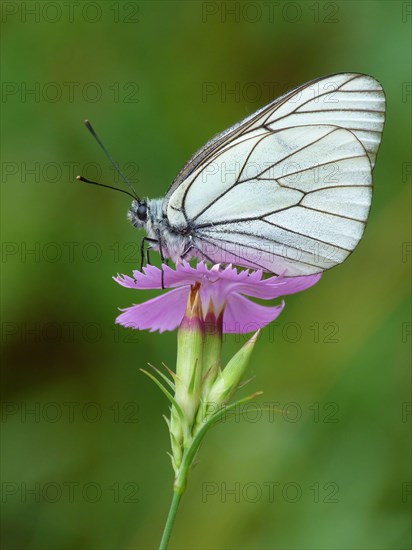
(229, 379)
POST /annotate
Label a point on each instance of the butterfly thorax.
(173, 242)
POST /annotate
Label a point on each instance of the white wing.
(288, 189)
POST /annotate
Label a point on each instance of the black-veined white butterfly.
(287, 190)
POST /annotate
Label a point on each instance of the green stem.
(177, 495)
(179, 488)
(187, 459)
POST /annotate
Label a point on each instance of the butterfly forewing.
(288, 189)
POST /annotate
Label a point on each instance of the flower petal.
(126, 281)
(273, 287)
(242, 315)
(151, 277)
(162, 313)
(297, 284)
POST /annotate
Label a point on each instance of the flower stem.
(177, 495)
(188, 457)
(178, 490)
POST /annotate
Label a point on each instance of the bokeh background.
(83, 440)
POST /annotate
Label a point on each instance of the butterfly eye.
(142, 212)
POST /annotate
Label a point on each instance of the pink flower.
(223, 289)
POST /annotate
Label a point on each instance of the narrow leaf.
(167, 394)
(245, 382)
(165, 378)
(172, 374)
(167, 421)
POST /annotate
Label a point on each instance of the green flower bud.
(228, 380)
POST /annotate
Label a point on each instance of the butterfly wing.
(289, 188)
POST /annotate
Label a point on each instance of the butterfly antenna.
(108, 155)
(81, 178)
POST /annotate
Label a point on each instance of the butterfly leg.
(148, 249)
(159, 240)
(142, 250)
(186, 251)
(203, 256)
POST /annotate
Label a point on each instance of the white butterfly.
(286, 190)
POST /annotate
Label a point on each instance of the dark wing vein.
(328, 213)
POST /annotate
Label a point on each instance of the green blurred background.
(83, 454)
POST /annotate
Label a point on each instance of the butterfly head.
(138, 213)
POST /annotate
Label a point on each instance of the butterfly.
(287, 190)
